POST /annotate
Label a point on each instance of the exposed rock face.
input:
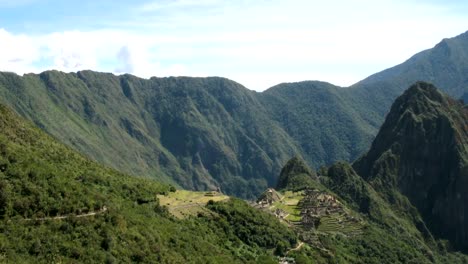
(296, 175)
(422, 152)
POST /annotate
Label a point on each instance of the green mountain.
(330, 123)
(445, 66)
(296, 175)
(421, 152)
(402, 202)
(205, 133)
(323, 120)
(200, 133)
(57, 206)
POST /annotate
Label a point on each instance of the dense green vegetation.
(410, 196)
(296, 176)
(323, 120)
(422, 153)
(57, 206)
(330, 123)
(199, 133)
(252, 228)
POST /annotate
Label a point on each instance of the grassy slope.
(41, 179)
(183, 204)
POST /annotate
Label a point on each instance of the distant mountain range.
(204, 133)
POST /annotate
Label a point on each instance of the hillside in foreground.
(58, 207)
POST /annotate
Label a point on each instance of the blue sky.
(257, 43)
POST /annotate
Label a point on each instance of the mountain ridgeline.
(201, 133)
(205, 133)
(296, 175)
(421, 152)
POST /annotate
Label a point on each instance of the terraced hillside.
(312, 212)
(182, 204)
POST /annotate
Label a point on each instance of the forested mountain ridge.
(445, 65)
(198, 132)
(205, 133)
(331, 123)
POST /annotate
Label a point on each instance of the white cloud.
(103, 50)
(17, 52)
(126, 63)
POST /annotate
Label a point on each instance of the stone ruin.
(317, 204)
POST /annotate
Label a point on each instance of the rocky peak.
(296, 175)
(421, 151)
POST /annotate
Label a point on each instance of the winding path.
(296, 248)
(100, 211)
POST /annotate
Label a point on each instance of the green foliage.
(323, 119)
(58, 206)
(296, 176)
(343, 180)
(195, 133)
(251, 226)
(418, 159)
(204, 133)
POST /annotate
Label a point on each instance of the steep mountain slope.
(296, 175)
(200, 133)
(58, 207)
(322, 119)
(421, 152)
(331, 123)
(445, 65)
